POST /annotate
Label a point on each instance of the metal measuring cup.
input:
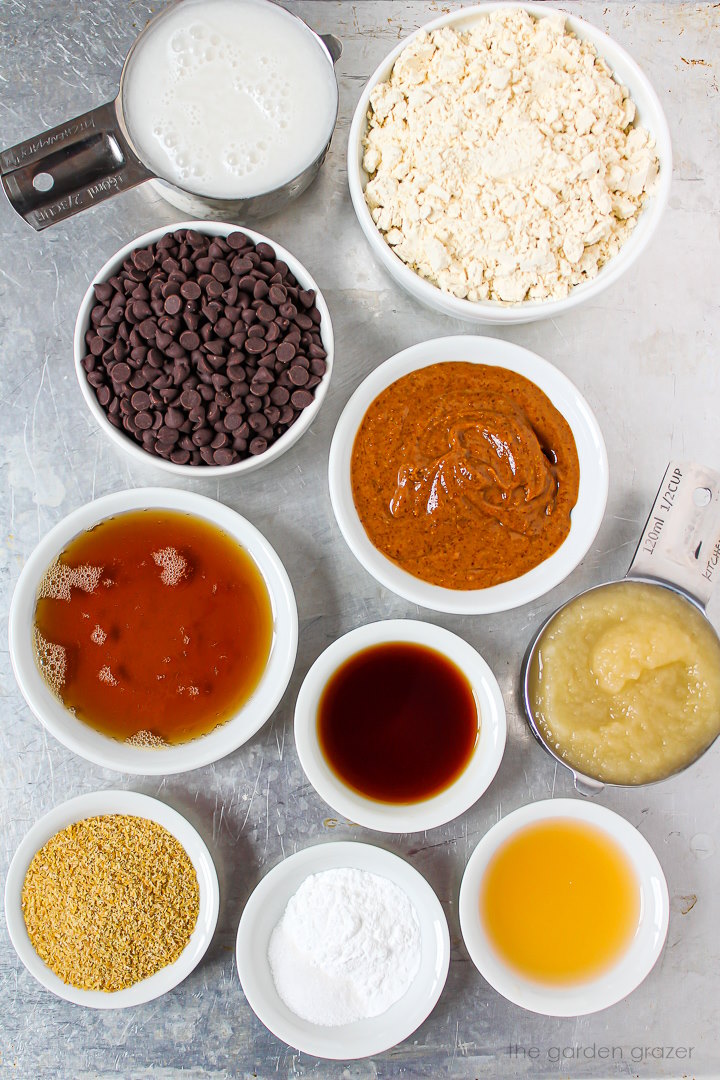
(679, 549)
(84, 161)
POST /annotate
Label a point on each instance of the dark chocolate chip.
(233, 421)
(190, 290)
(223, 456)
(120, 373)
(144, 420)
(285, 352)
(173, 304)
(189, 340)
(277, 294)
(143, 259)
(237, 241)
(255, 345)
(190, 399)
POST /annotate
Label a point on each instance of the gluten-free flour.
(503, 158)
(346, 948)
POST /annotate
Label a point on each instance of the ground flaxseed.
(109, 901)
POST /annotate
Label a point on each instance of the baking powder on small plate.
(346, 948)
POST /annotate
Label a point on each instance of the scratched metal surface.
(645, 356)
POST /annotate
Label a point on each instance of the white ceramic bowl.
(586, 515)
(632, 967)
(120, 438)
(93, 745)
(365, 1037)
(463, 792)
(93, 805)
(650, 115)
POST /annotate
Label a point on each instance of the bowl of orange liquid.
(564, 907)
(153, 631)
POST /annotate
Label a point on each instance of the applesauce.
(624, 683)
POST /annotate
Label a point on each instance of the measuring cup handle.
(69, 167)
(333, 46)
(680, 544)
(586, 786)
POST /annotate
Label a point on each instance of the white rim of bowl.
(93, 805)
(121, 438)
(92, 745)
(626, 973)
(459, 795)
(625, 70)
(363, 1038)
(586, 516)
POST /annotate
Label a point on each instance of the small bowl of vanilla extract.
(400, 726)
(153, 631)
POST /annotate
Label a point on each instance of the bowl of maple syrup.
(153, 631)
(400, 725)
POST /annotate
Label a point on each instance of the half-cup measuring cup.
(84, 161)
(679, 550)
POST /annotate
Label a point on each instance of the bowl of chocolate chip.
(203, 349)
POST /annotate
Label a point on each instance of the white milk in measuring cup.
(229, 98)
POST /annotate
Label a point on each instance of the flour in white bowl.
(346, 948)
(504, 159)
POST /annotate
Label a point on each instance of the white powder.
(347, 947)
(504, 160)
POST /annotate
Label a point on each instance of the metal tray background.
(644, 354)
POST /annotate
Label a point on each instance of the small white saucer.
(93, 805)
(632, 966)
(365, 1037)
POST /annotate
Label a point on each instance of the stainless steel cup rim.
(326, 43)
(584, 784)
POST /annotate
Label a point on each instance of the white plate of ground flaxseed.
(51, 902)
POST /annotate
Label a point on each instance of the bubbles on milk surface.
(229, 98)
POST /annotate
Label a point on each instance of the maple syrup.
(153, 627)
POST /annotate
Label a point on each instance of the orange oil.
(560, 902)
